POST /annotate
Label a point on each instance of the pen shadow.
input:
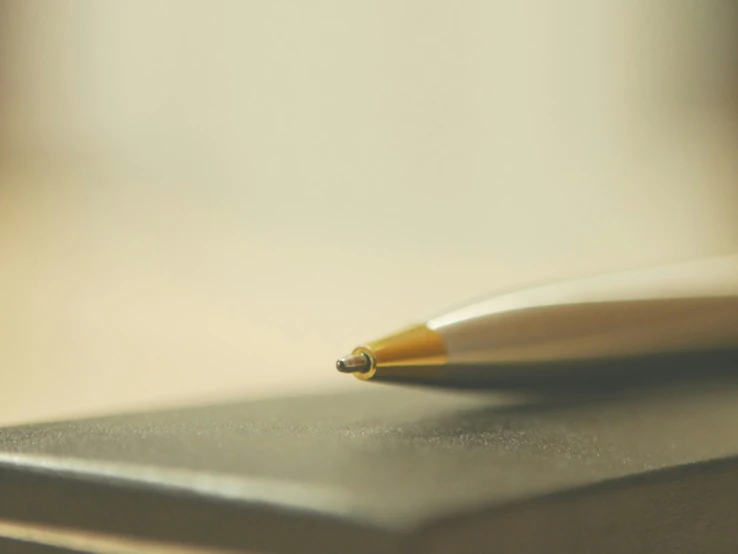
(590, 389)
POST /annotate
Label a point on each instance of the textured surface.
(363, 471)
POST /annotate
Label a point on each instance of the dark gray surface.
(11, 546)
(391, 469)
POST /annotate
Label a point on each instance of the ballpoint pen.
(613, 320)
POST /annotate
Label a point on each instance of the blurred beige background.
(214, 199)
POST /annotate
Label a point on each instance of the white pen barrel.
(687, 308)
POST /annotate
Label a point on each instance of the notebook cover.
(393, 470)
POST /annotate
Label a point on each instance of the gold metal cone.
(413, 352)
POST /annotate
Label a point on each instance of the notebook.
(384, 470)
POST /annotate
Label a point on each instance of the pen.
(590, 323)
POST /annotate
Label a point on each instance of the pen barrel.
(691, 307)
(596, 331)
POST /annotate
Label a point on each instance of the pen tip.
(354, 363)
